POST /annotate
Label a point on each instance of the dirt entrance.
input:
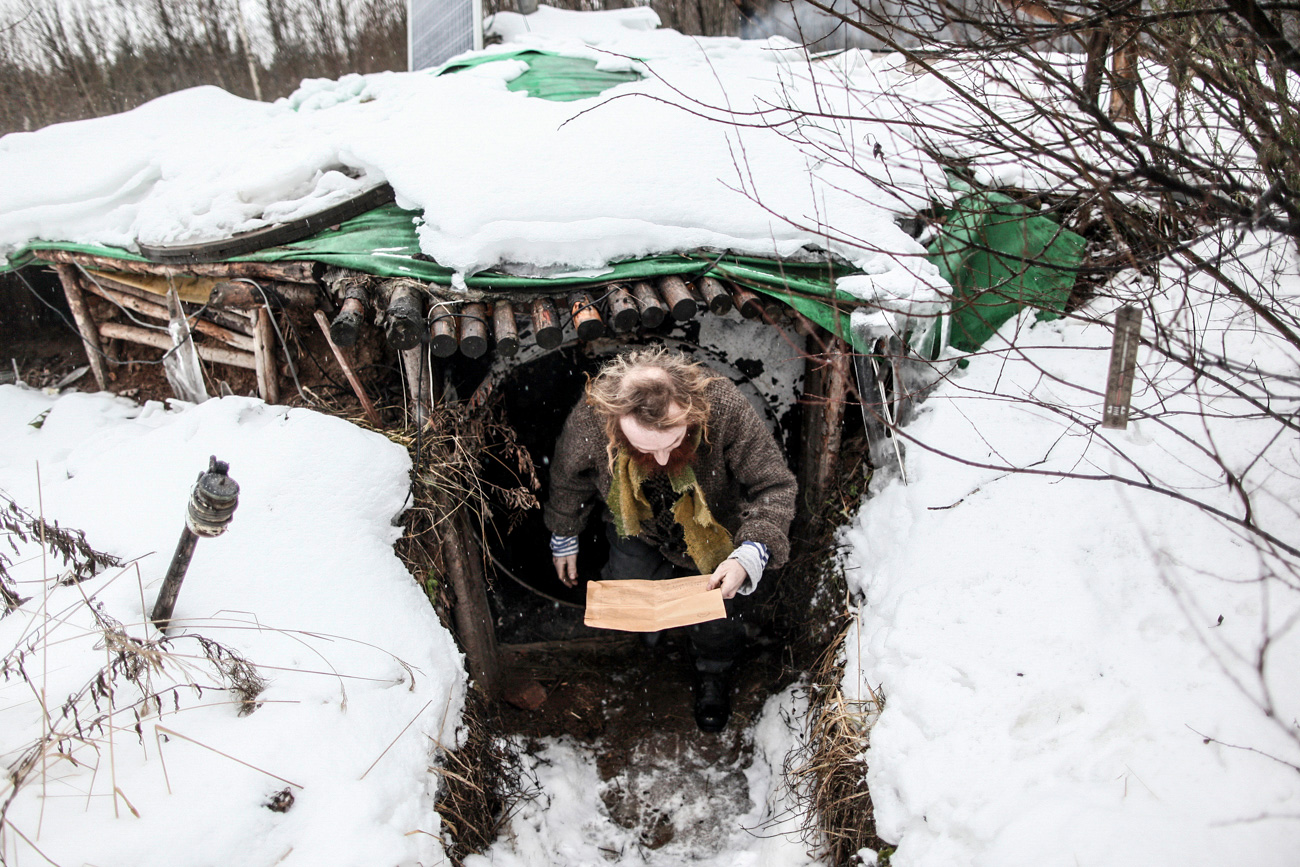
(630, 708)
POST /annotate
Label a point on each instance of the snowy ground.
(362, 680)
(1069, 666)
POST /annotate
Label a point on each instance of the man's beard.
(682, 456)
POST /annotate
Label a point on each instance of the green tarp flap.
(383, 242)
(1000, 256)
(552, 76)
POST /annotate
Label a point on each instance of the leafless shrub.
(450, 454)
(59, 64)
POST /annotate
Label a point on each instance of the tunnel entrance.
(533, 395)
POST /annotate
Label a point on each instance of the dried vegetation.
(483, 782)
(827, 775)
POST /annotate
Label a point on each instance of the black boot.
(712, 701)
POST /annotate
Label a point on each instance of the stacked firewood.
(235, 326)
(409, 314)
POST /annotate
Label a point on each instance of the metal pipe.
(213, 501)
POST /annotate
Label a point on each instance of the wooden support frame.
(85, 323)
(471, 611)
(268, 377)
(827, 371)
(159, 340)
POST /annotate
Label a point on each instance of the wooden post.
(268, 378)
(826, 390)
(546, 324)
(474, 624)
(473, 330)
(160, 340)
(358, 389)
(623, 313)
(715, 294)
(85, 323)
(504, 329)
(404, 315)
(586, 318)
(443, 337)
(678, 297)
(652, 307)
(747, 302)
(419, 384)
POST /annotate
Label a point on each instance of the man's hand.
(729, 576)
(567, 569)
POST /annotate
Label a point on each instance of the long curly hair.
(659, 387)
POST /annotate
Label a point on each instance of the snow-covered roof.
(701, 153)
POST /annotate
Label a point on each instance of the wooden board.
(270, 236)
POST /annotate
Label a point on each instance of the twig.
(399, 736)
(167, 731)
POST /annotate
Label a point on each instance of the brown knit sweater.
(741, 472)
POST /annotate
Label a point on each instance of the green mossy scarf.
(707, 542)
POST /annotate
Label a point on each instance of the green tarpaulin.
(383, 242)
(1000, 256)
(551, 76)
(997, 254)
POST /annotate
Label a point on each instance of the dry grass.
(141, 678)
(18, 525)
(483, 782)
(450, 455)
(828, 774)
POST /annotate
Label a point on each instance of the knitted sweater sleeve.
(574, 489)
(766, 487)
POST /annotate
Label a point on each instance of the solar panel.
(440, 29)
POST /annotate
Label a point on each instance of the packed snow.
(702, 153)
(364, 685)
(1068, 666)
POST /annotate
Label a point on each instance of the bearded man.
(692, 483)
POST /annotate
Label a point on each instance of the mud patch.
(630, 709)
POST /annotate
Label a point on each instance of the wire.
(77, 331)
(293, 369)
(105, 296)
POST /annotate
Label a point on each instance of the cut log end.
(345, 330)
(677, 295)
(586, 319)
(443, 337)
(715, 295)
(504, 328)
(546, 324)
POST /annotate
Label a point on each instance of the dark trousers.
(715, 644)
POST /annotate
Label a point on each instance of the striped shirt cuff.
(563, 546)
(753, 556)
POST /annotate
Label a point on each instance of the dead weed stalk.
(827, 775)
(80, 561)
(457, 455)
(483, 783)
(141, 678)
